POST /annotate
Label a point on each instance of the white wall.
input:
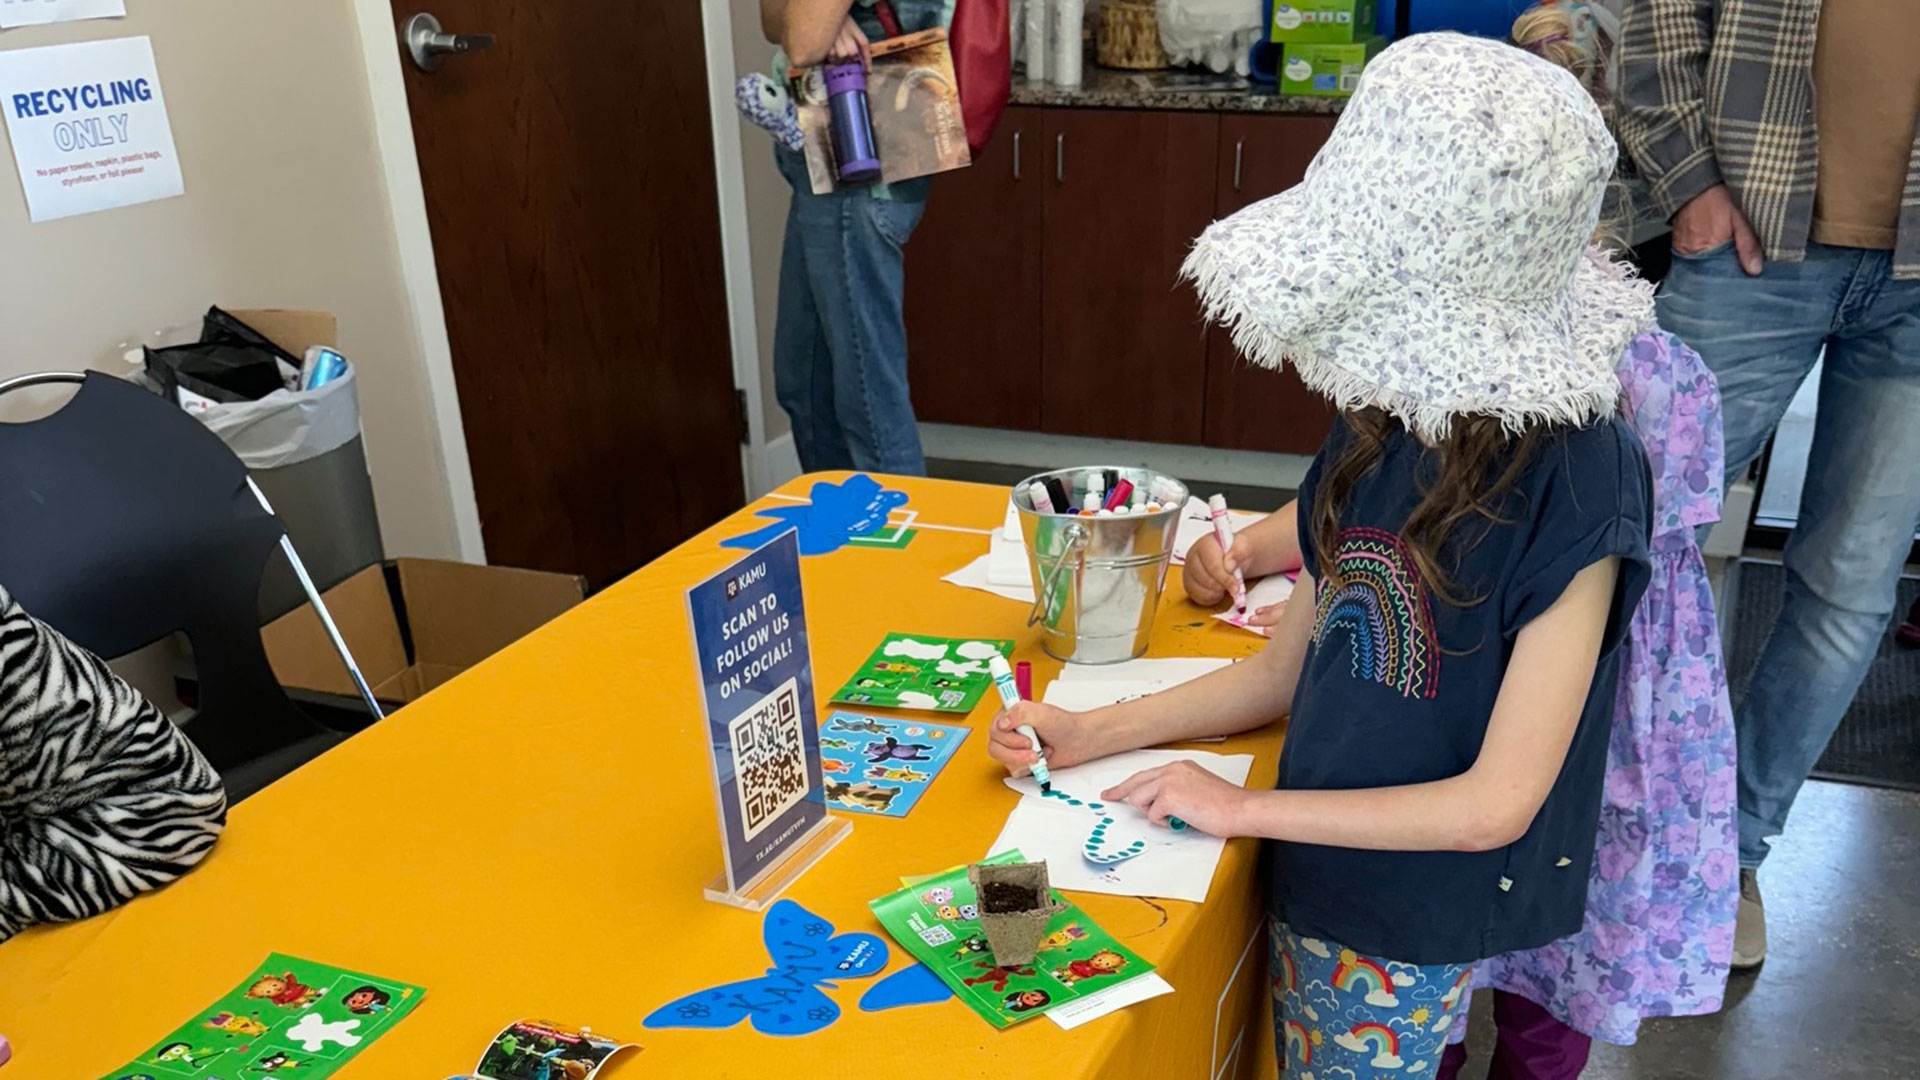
(286, 205)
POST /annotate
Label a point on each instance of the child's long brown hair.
(1463, 481)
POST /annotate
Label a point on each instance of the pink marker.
(1037, 494)
(1223, 532)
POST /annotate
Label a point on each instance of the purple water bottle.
(852, 127)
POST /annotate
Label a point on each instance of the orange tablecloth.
(532, 839)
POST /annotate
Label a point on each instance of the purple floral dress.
(1665, 880)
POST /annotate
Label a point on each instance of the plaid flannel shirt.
(1721, 91)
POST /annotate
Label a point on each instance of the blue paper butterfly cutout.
(915, 985)
(838, 512)
(789, 999)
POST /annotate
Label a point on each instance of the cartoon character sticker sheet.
(938, 921)
(873, 765)
(291, 1019)
(909, 671)
(540, 1050)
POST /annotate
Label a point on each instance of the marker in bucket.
(1062, 498)
(1037, 494)
(1117, 498)
(1009, 697)
(1223, 532)
(1139, 498)
(1091, 504)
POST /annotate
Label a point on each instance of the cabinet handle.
(1239, 154)
(1016, 155)
(1060, 158)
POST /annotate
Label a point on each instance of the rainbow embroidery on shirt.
(1383, 607)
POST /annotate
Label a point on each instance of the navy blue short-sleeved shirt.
(1398, 687)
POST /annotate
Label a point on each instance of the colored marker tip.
(1046, 786)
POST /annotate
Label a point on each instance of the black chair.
(124, 520)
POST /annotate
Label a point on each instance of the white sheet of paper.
(89, 126)
(1266, 592)
(1072, 1014)
(1196, 521)
(974, 576)
(1165, 670)
(1081, 687)
(1082, 696)
(1175, 866)
(40, 12)
(1007, 555)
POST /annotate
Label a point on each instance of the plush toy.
(764, 101)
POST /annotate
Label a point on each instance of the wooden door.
(570, 189)
(1125, 350)
(973, 287)
(1248, 407)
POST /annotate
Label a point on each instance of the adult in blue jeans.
(840, 338)
(1780, 135)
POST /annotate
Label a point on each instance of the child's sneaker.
(1750, 925)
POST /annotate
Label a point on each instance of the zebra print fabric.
(101, 797)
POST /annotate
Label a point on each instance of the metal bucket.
(1097, 580)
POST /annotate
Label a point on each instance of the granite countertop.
(1200, 91)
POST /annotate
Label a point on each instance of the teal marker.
(1002, 673)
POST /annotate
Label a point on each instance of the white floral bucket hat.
(1437, 259)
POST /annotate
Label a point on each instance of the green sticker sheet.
(910, 671)
(936, 920)
(291, 1019)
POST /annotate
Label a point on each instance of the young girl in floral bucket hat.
(1474, 535)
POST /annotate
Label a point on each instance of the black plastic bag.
(231, 362)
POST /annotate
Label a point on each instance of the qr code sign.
(769, 758)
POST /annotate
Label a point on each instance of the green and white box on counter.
(1343, 21)
(1331, 70)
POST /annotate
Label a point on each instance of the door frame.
(406, 199)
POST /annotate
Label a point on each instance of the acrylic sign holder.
(759, 893)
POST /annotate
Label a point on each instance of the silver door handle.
(427, 43)
(1060, 158)
(1016, 155)
(1239, 154)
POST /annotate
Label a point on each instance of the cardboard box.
(1323, 21)
(1326, 70)
(413, 624)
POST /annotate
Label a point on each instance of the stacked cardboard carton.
(1326, 43)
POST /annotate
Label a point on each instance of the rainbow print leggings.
(1338, 1015)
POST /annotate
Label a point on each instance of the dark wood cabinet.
(973, 293)
(1248, 407)
(1043, 289)
(1123, 356)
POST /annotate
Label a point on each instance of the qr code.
(769, 758)
(936, 935)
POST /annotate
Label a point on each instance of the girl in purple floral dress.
(1665, 879)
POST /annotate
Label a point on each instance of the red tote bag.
(982, 45)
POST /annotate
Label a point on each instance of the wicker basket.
(1129, 36)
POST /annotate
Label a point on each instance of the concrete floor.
(1839, 995)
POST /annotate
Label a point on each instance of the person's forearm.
(804, 28)
(1444, 815)
(1276, 543)
(1247, 695)
(1662, 113)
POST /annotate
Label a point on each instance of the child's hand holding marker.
(1017, 741)
(1064, 738)
(1223, 532)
